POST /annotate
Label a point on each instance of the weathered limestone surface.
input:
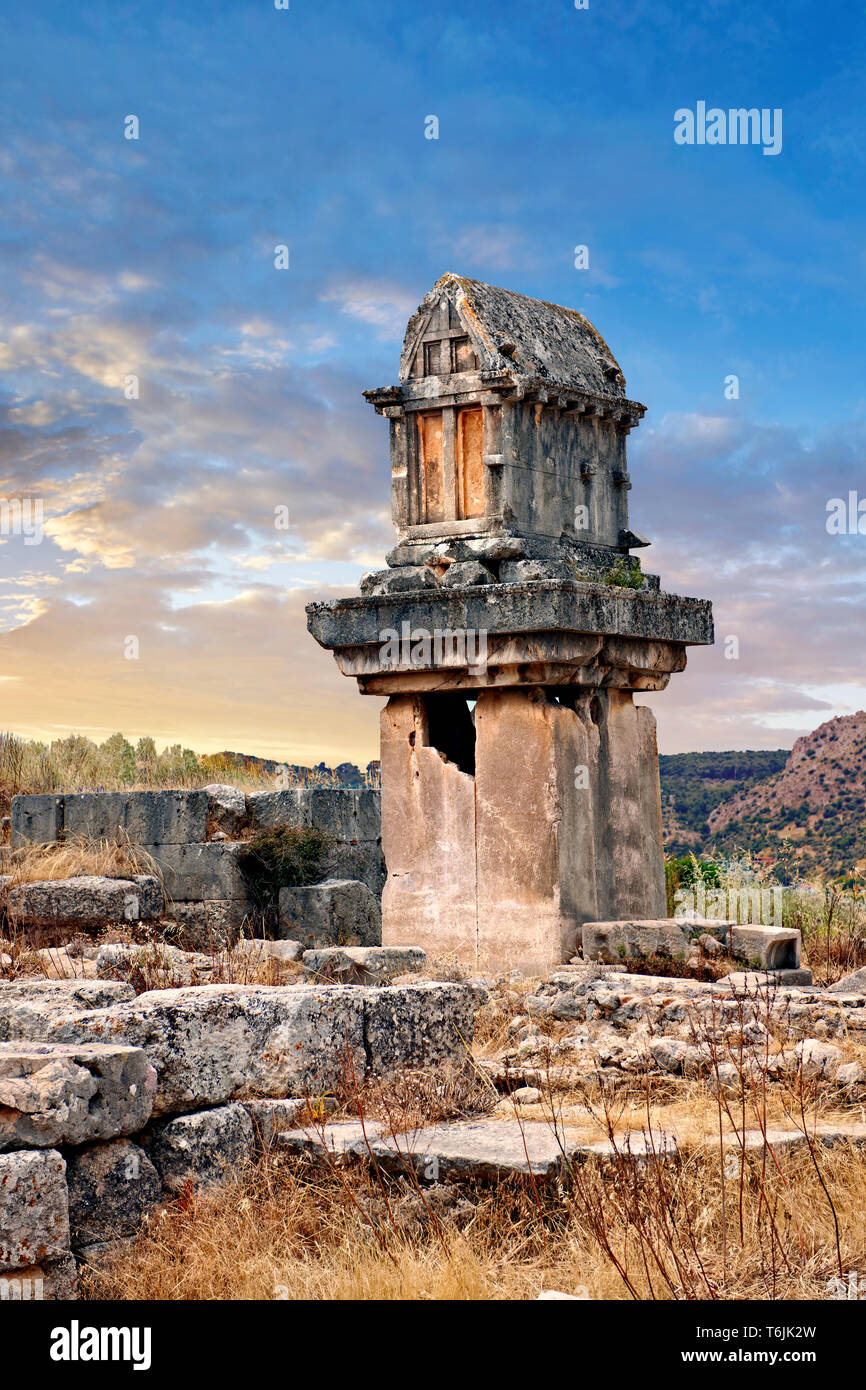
(34, 1209)
(86, 901)
(417, 1025)
(363, 965)
(53, 1094)
(31, 1009)
(773, 949)
(271, 1118)
(210, 1044)
(854, 983)
(561, 818)
(112, 1189)
(213, 1043)
(258, 950)
(337, 911)
(210, 925)
(198, 872)
(227, 811)
(159, 963)
(203, 1149)
(144, 817)
(614, 941)
(428, 819)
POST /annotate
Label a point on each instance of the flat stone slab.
(34, 1208)
(87, 900)
(482, 1150)
(342, 1139)
(780, 1140)
(51, 1093)
(364, 965)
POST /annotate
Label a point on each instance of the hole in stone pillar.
(412, 739)
(450, 729)
(595, 710)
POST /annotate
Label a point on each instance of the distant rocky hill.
(694, 784)
(295, 774)
(813, 809)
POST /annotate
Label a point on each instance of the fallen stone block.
(51, 1093)
(227, 812)
(614, 941)
(58, 964)
(30, 1009)
(271, 1118)
(766, 948)
(50, 1281)
(818, 1059)
(336, 912)
(364, 965)
(482, 1151)
(87, 900)
(203, 1149)
(854, 983)
(34, 1210)
(259, 951)
(210, 925)
(202, 872)
(158, 963)
(418, 1025)
(214, 1043)
(113, 1188)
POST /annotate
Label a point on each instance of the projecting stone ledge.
(549, 624)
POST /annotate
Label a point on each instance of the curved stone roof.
(530, 337)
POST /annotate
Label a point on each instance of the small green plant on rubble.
(286, 857)
(621, 576)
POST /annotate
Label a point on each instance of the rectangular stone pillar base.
(506, 828)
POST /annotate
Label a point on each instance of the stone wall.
(109, 1102)
(195, 839)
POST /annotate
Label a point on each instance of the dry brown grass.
(286, 1230)
(74, 857)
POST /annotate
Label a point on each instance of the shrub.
(287, 857)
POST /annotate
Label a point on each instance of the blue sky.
(305, 127)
